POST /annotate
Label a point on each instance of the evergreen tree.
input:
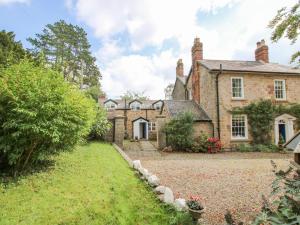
(11, 51)
(67, 50)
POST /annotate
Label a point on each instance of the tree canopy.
(286, 24)
(11, 51)
(67, 50)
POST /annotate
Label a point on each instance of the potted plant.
(195, 207)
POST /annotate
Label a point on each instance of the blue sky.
(137, 43)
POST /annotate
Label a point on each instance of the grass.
(91, 185)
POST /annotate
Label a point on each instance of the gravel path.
(233, 181)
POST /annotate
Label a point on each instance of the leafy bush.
(200, 143)
(40, 115)
(257, 148)
(179, 131)
(244, 148)
(101, 126)
(286, 208)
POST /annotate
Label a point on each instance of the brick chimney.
(262, 51)
(179, 68)
(197, 54)
(197, 50)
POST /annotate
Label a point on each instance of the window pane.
(279, 89)
(237, 89)
(238, 128)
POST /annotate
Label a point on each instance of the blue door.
(282, 132)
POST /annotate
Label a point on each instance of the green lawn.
(91, 185)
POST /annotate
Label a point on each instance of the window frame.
(246, 128)
(135, 106)
(242, 88)
(150, 126)
(110, 103)
(283, 90)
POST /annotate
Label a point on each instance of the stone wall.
(202, 127)
(178, 91)
(256, 87)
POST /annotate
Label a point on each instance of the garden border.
(165, 194)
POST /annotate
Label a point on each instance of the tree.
(40, 115)
(131, 95)
(179, 131)
(168, 91)
(11, 51)
(67, 50)
(286, 24)
(94, 92)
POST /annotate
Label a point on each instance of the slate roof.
(146, 104)
(248, 66)
(175, 107)
(293, 143)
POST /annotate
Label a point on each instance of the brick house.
(217, 86)
(139, 116)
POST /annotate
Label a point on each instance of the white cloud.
(150, 22)
(8, 2)
(139, 73)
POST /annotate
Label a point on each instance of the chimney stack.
(197, 54)
(197, 50)
(262, 51)
(179, 68)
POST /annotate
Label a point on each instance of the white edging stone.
(180, 204)
(168, 196)
(160, 190)
(153, 181)
(165, 193)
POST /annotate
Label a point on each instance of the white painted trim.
(242, 85)
(246, 129)
(284, 90)
(136, 128)
(289, 126)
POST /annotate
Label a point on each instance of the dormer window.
(157, 105)
(110, 105)
(135, 105)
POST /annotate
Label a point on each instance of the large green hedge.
(40, 115)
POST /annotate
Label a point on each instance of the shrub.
(200, 143)
(257, 148)
(285, 209)
(244, 148)
(101, 126)
(179, 131)
(40, 115)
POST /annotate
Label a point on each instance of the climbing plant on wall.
(261, 116)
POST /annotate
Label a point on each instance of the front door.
(143, 127)
(282, 132)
